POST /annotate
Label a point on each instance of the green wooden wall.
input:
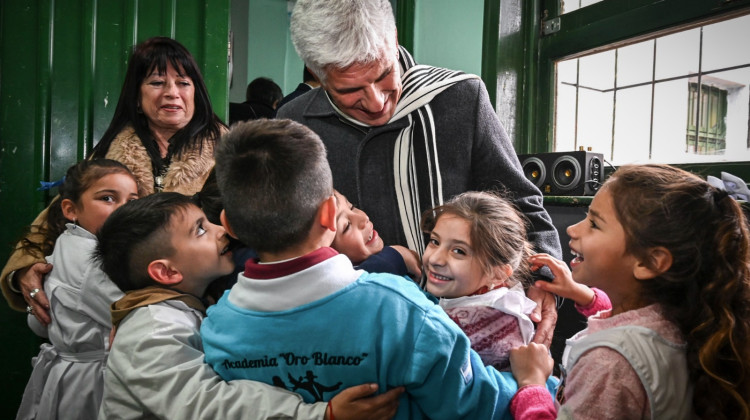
(459, 47)
(62, 64)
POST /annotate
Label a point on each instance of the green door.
(62, 65)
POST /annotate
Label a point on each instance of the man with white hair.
(401, 137)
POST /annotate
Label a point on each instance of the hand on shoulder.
(411, 259)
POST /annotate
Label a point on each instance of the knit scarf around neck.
(415, 154)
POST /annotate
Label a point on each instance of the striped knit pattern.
(415, 152)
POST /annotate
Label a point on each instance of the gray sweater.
(474, 154)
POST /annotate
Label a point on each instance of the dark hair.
(78, 178)
(273, 176)
(209, 199)
(497, 231)
(307, 76)
(706, 291)
(156, 54)
(136, 234)
(263, 90)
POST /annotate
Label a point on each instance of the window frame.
(599, 27)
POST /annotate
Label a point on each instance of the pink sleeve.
(606, 374)
(601, 303)
(532, 402)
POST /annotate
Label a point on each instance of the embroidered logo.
(307, 383)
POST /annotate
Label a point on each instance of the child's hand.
(352, 404)
(563, 284)
(411, 258)
(531, 364)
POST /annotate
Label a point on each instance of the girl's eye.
(201, 230)
(108, 198)
(346, 228)
(459, 251)
(434, 242)
(592, 224)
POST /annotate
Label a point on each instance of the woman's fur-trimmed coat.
(186, 173)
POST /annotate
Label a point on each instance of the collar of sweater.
(151, 295)
(288, 284)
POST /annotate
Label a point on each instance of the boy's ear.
(658, 260)
(327, 213)
(164, 273)
(225, 223)
(68, 209)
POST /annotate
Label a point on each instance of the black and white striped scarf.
(415, 155)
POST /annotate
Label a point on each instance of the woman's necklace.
(159, 179)
(161, 173)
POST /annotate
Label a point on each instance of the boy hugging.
(162, 252)
(302, 318)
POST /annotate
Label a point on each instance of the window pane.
(677, 54)
(720, 44)
(566, 117)
(571, 5)
(567, 71)
(597, 71)
(670, 120)
(594, 120)
(734, 83)
(635, 63)
(632, 126)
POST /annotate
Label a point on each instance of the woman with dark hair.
(163, 129)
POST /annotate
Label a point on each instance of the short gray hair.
(339, 33)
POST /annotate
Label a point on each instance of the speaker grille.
(534, 170)
(564, 173)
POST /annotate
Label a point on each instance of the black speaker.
(564, 173)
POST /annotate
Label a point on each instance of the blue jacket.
(354, 327)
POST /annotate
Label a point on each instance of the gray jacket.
(156, 370)
(474, 154)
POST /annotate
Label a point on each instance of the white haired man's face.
(366, 92)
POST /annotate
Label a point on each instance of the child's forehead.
(454, 226)
(186, 217)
